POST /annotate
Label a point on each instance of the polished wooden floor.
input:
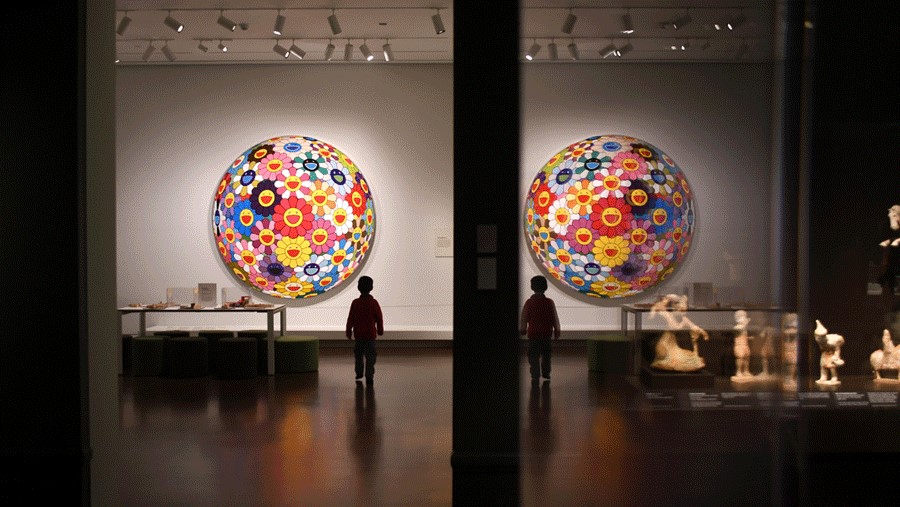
(323, 439)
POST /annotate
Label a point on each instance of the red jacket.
(539, 318)
(365, 320)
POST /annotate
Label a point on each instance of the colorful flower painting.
(293, 217)
(610, 216)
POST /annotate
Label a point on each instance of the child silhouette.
(365, 323)
(541, 323)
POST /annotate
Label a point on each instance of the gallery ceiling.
(663, 30)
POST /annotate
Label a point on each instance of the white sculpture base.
(757, 379)
(829, 382)
(887, 380)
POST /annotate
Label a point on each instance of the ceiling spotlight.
(736, 22)
(222, 47)
(608, 50)
(225, 22)
(280, 50)
(333, 22)
(705, 45)
(717, 26)
(388, 52)
(551, 49)
(438, 23)
(627, 23)
(202, 47)
(168, 52)
(573, 50)
(329, 51)
(296, 51)
(685, 45)
(123, 24)
(533, 50)
(279, 24)
(364, 49)
(624, 49)
(148, 52)
(348, 52)
(569, 23)
(173, 24)
(682, 21)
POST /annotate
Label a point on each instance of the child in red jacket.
(541, 323)
(365, 322)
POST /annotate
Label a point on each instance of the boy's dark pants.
(364, 349)
(539, 357)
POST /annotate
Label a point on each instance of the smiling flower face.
(293, 217)
(610, 216)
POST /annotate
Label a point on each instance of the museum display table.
(638, 311)
(269, 310)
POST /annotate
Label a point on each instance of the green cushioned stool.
(296, 354)
(607, 353)
(262, 350)
(212, 342)
(148, 356)
(187, 356)
(237, 358)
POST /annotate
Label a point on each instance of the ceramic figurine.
(887, 358)
(766, 353)
(789, 349)
(830, 345)
(741, 348)
(669, 356)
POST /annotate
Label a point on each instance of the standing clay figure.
(669, 356)
(830, 345)
(741, 348)
(888, 358)
(766, 352)
(789, 349)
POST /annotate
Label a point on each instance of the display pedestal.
(659, 379)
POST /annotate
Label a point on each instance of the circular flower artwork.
(610, 216)
(293, 217)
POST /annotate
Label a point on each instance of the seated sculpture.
(830, 345)
(886, 358)
(669, 356)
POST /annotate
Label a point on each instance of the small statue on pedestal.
(741, 348)
(887, 358)
(830, 345)
(789, 350)
(669, 356)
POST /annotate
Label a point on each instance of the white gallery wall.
(713, 120)
(179, 128)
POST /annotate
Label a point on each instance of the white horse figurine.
(830, 345)
(887, 358)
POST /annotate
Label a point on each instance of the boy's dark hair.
(365, 284)
(538, 283)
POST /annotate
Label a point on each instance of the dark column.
(44, 453)
(486, 238)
